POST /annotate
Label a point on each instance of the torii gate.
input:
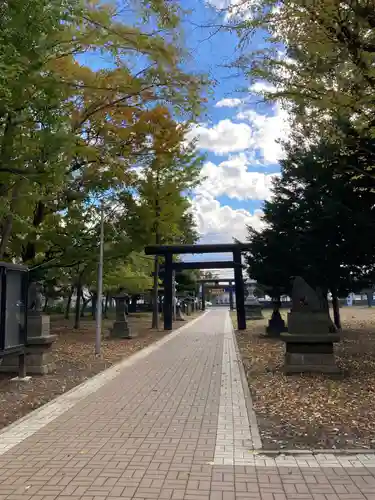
(216, 284)
(167, 251)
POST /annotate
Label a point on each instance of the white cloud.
(232, 179)
(218, 223)
(267, 131)
(260, 87)
(233, 9)
(225, 137)
(256, 134)
(228, 103)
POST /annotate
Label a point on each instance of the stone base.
(38, 324)
(39, 359)
(310, 353)
(253, 311)
(275, 332)
(276, 326)
(121, 330)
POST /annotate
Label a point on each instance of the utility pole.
(174, 300)
(155, 310)
(98, 332)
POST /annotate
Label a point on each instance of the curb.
(313, 452)
(254, 429)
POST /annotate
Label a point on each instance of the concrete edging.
(257, 442)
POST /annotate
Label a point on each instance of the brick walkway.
(172, 422)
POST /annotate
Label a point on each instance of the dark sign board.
(13, 308)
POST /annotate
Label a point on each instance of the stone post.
(39, 341)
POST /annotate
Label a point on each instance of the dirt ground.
(307, 411)
(75, 362)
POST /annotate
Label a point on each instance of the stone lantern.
(253, 308)
(121, 327)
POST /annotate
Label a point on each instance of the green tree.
(318, 60)
(82, 130)
(160, 213)
(312, 225)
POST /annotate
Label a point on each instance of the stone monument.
(311, 333)
(39, 340)
(276, 325)
(253, 308)
(120, 328)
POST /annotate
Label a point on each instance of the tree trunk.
(336, 311)
(106, 305)
(77, 322)
(84, 305)
(133, 304)
(94, 302)
(7, 223)
(68, 303)
(45, 304)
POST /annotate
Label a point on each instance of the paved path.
(171, 422)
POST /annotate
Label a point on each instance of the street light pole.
(174, 296)
(98, 333)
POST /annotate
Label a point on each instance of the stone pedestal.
(39, 355)
(276, 325)
(39, 359)
(310, 354)
(253, 311)
(309, 343)
(310, 338)
(120, 328)
(38, 325)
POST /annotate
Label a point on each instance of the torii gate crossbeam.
(168, 251)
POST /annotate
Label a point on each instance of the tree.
(312, 225)
(81, 133)
(161, 212)
(317, 59)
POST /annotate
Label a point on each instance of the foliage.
(134, 276)
(164, 178)
(312, 225)
(73, 135)
(318, 61)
